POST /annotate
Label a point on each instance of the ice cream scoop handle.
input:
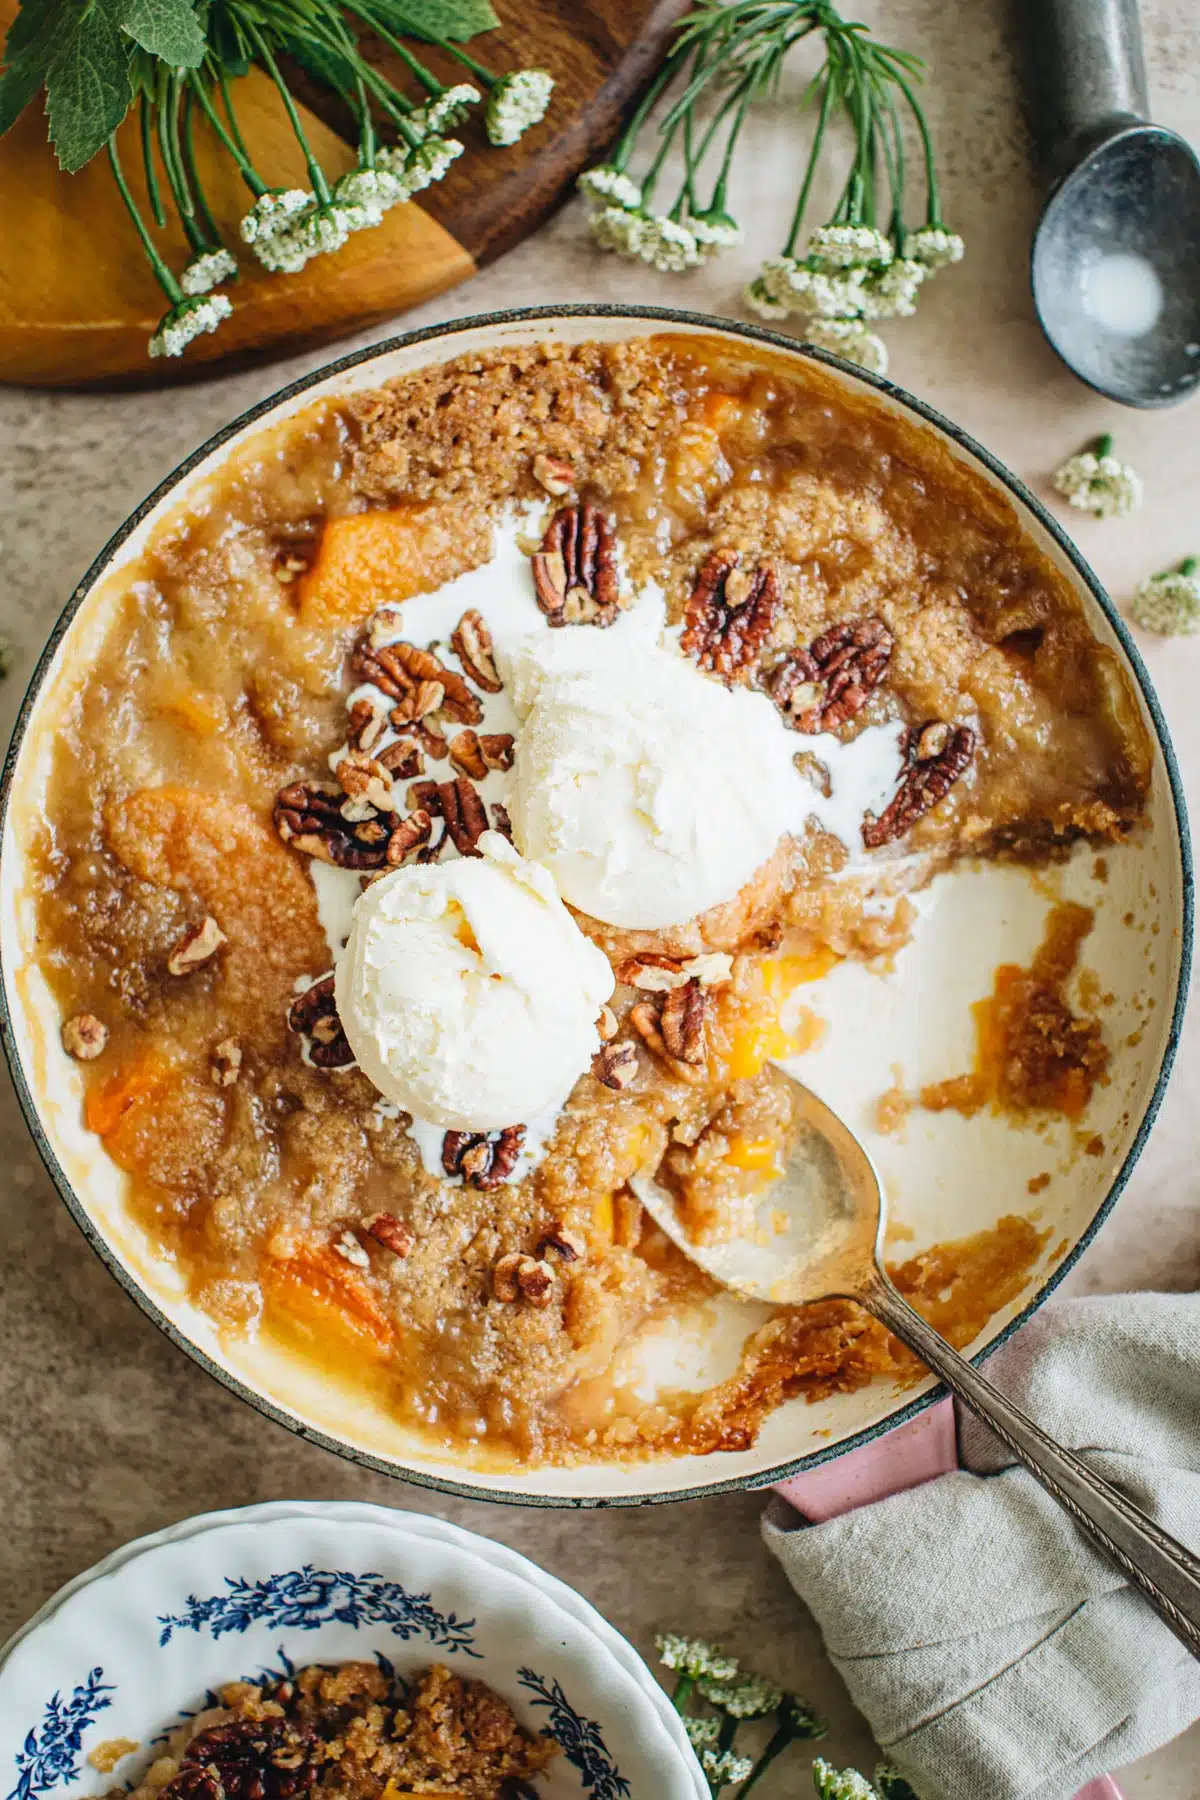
(1087, 72)
(1167, 1573)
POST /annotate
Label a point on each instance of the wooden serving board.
(78, 301)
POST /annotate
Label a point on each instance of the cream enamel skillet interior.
(874, 1030)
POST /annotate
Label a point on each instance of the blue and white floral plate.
(134, 1645)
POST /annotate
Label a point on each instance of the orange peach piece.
(318, 1293)
(131, 1086)
(368, 559)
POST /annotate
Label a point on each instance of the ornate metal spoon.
(817, 1234)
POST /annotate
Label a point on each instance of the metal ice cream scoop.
(817, 1233)
(1116, 254)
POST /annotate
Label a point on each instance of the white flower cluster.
(421, 166)
(1096, 482)
(1169, 603)
(207, 270)
(607, 185)
(516, 102)
(623, 223)
(190, 319)
(851, 273)
(449, 108)
(694, 1657)
(744, 1697)
(841, 1784)
(725, 1768)
(702, 1733)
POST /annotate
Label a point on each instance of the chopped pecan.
(308, 816)
(501, 821)
(191, 1782)
(198, 945)
(248, 1759)
(225, 1063)
(464, 813)
(554, 473)
(425, 796)
(428, 737)
(575, 571)
(407, 836)
(364, 723)
(682, 1022)
(363, 778)
(484, 1159)
(606, 1024)
(392, 1233)
(650, 971)
(314, 1015)
(568, 1246)
(472, 644)
(496, 748)
(616, 1065)
(351, 1251)
(467, 755)
(402, 760)
(409, 675)
(729, 616)
(822, 687)
(84, 1036)
(935, 755)
(519, 1277)
(645, 1019)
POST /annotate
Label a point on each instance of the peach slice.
(367, 559)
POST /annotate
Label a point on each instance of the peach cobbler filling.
(263, 735)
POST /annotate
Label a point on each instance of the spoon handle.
(1087, 73)
(1167, 1573)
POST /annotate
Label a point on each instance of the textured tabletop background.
(107, 1431)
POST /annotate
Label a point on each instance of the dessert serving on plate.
(470, 778)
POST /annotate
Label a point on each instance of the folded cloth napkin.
(995, 1655)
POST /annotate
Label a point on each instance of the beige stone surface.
(107, 1431)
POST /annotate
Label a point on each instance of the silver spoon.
(1116, 255)
(817, 1234)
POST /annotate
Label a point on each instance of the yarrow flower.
(715, 229)
(935, 247)
(645, 237)
(370, 191)
(207, 271)
(744, 1697)
(760, 297)
(850, 339)
(701, 1733)
(188, 319)
(694, 1657)
(1170, 603)
(272, 211)
(424, 164)
(841, 1784)
(516, 102)
(891, 293)
(725, 1768)
(848, 246)
(611, 186)
(450, 107)
(1095, 482)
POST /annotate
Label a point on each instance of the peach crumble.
(379, 1017)
(353, 1732)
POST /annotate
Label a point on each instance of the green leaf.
(452, 20)
(168, 29)
(89, 85)
(33, 38)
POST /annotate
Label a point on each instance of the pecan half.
(407, 836)
(308, 816)
(363, 778)
(575, 571)
(198, 945)
(410, 676)
(935, 756)
(364, 724)
(467, 755)
(822, 687)
(84, 1036)
(682, 1022)
(314, 1016)
(225, 1063)
(616, 1065)
(247, 1759)
(465, 814)
(484, 1159)
(729, 616)
(519, 1277)
(496, 748)
(403, 759)
(392, 1233)
(645, 1019)
(472, 644)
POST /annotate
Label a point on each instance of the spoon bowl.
(817, 1233)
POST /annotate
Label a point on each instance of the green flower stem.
(1103, 445)
(146, 121)
(682, 1692)
(168, 143)
(775, 1747)
(162, 274)
(231, 115)
(188, 153)
(316, 173)
(789, 249)
(366, 125)
(933, 201)
(425, 76)
(627, 139)
(246, 169)
(1188, 566)
(727, 1733)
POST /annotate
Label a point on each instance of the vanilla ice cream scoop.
(649, 790)
(467, 991)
